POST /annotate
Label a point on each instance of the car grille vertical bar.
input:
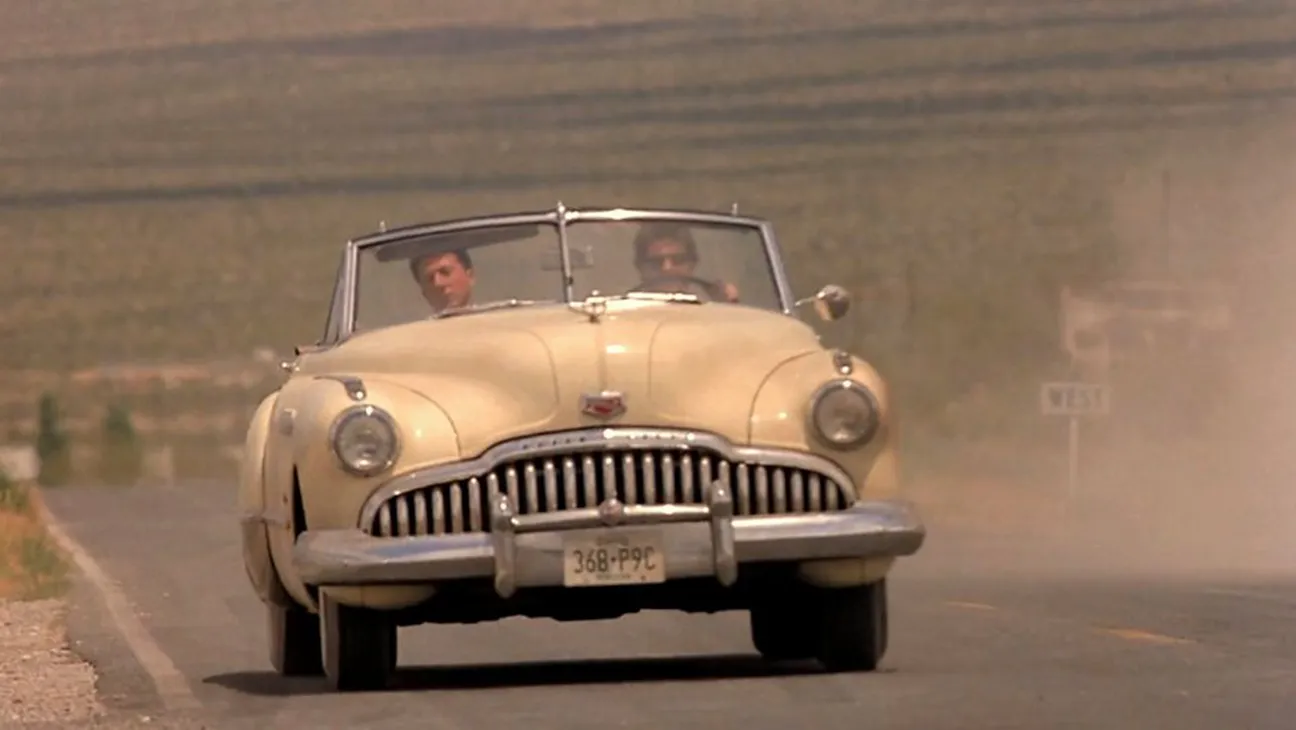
(532, 481)
(668, 479)
(631, 490)
(551, 485)
(456, 509)
(798, 493)
(686, 479)
(476, 505)
(744, 490)
(636, 476)
(511, 484)
(608, 487)
(438, 512)
(402, 518)
(590, 480)
(762, 490)
(649, 465)
(570, 490)
(780, 491)
(421, 525)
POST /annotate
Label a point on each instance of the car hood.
(501, 374)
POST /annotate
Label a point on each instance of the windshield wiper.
(660, 296)
(488, 307)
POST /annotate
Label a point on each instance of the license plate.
(611, 558)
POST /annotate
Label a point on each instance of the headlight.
(844, 414)
(364, 440)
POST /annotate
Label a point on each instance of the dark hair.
(652, 232)
(416, 263)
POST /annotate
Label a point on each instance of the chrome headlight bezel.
(853, 389)
(350, 415)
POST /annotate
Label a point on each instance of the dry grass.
(32, 566)
(182, 179)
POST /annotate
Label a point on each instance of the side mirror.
(831, 302)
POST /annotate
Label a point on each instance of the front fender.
(780, 417)
(332, 497)
(255, 537)
(306, 488)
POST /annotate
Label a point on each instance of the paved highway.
(988, 632)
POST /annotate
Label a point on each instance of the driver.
(666, 256)
(446, 279)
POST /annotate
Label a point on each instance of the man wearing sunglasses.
(666, 256)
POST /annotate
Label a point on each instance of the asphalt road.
(988, 632)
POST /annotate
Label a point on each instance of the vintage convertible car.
(573, 414)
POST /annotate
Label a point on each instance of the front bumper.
(527, 551)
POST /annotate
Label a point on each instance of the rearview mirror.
(831, 302)
(581, 258)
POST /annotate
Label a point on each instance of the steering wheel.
(704, 289)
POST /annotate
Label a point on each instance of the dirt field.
(952, 163)
(234, 151)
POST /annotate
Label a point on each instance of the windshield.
(414, 278)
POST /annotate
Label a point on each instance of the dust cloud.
(1193, 473)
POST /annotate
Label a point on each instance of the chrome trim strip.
(355, 387)
(592, 440)
(350, 266)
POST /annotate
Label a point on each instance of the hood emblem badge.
(608, 404)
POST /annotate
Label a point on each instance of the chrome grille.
(635, 476)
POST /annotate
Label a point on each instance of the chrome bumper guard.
(523, 551)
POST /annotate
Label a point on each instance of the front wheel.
(853, 628)
(783, 630)
(294, 637)
(359, 646)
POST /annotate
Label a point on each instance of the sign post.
(1075, 400)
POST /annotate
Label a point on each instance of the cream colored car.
(592, 413)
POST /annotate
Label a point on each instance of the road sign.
(1074, 399)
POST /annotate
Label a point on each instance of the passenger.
(445, 279)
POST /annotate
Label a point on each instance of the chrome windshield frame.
(560, 216)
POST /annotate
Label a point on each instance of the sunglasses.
(660, 262)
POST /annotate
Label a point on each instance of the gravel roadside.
(45, 683)
(42, 681)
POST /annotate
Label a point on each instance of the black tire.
(783, 631)
(294, 638)
(853, 628)
(359, 646)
